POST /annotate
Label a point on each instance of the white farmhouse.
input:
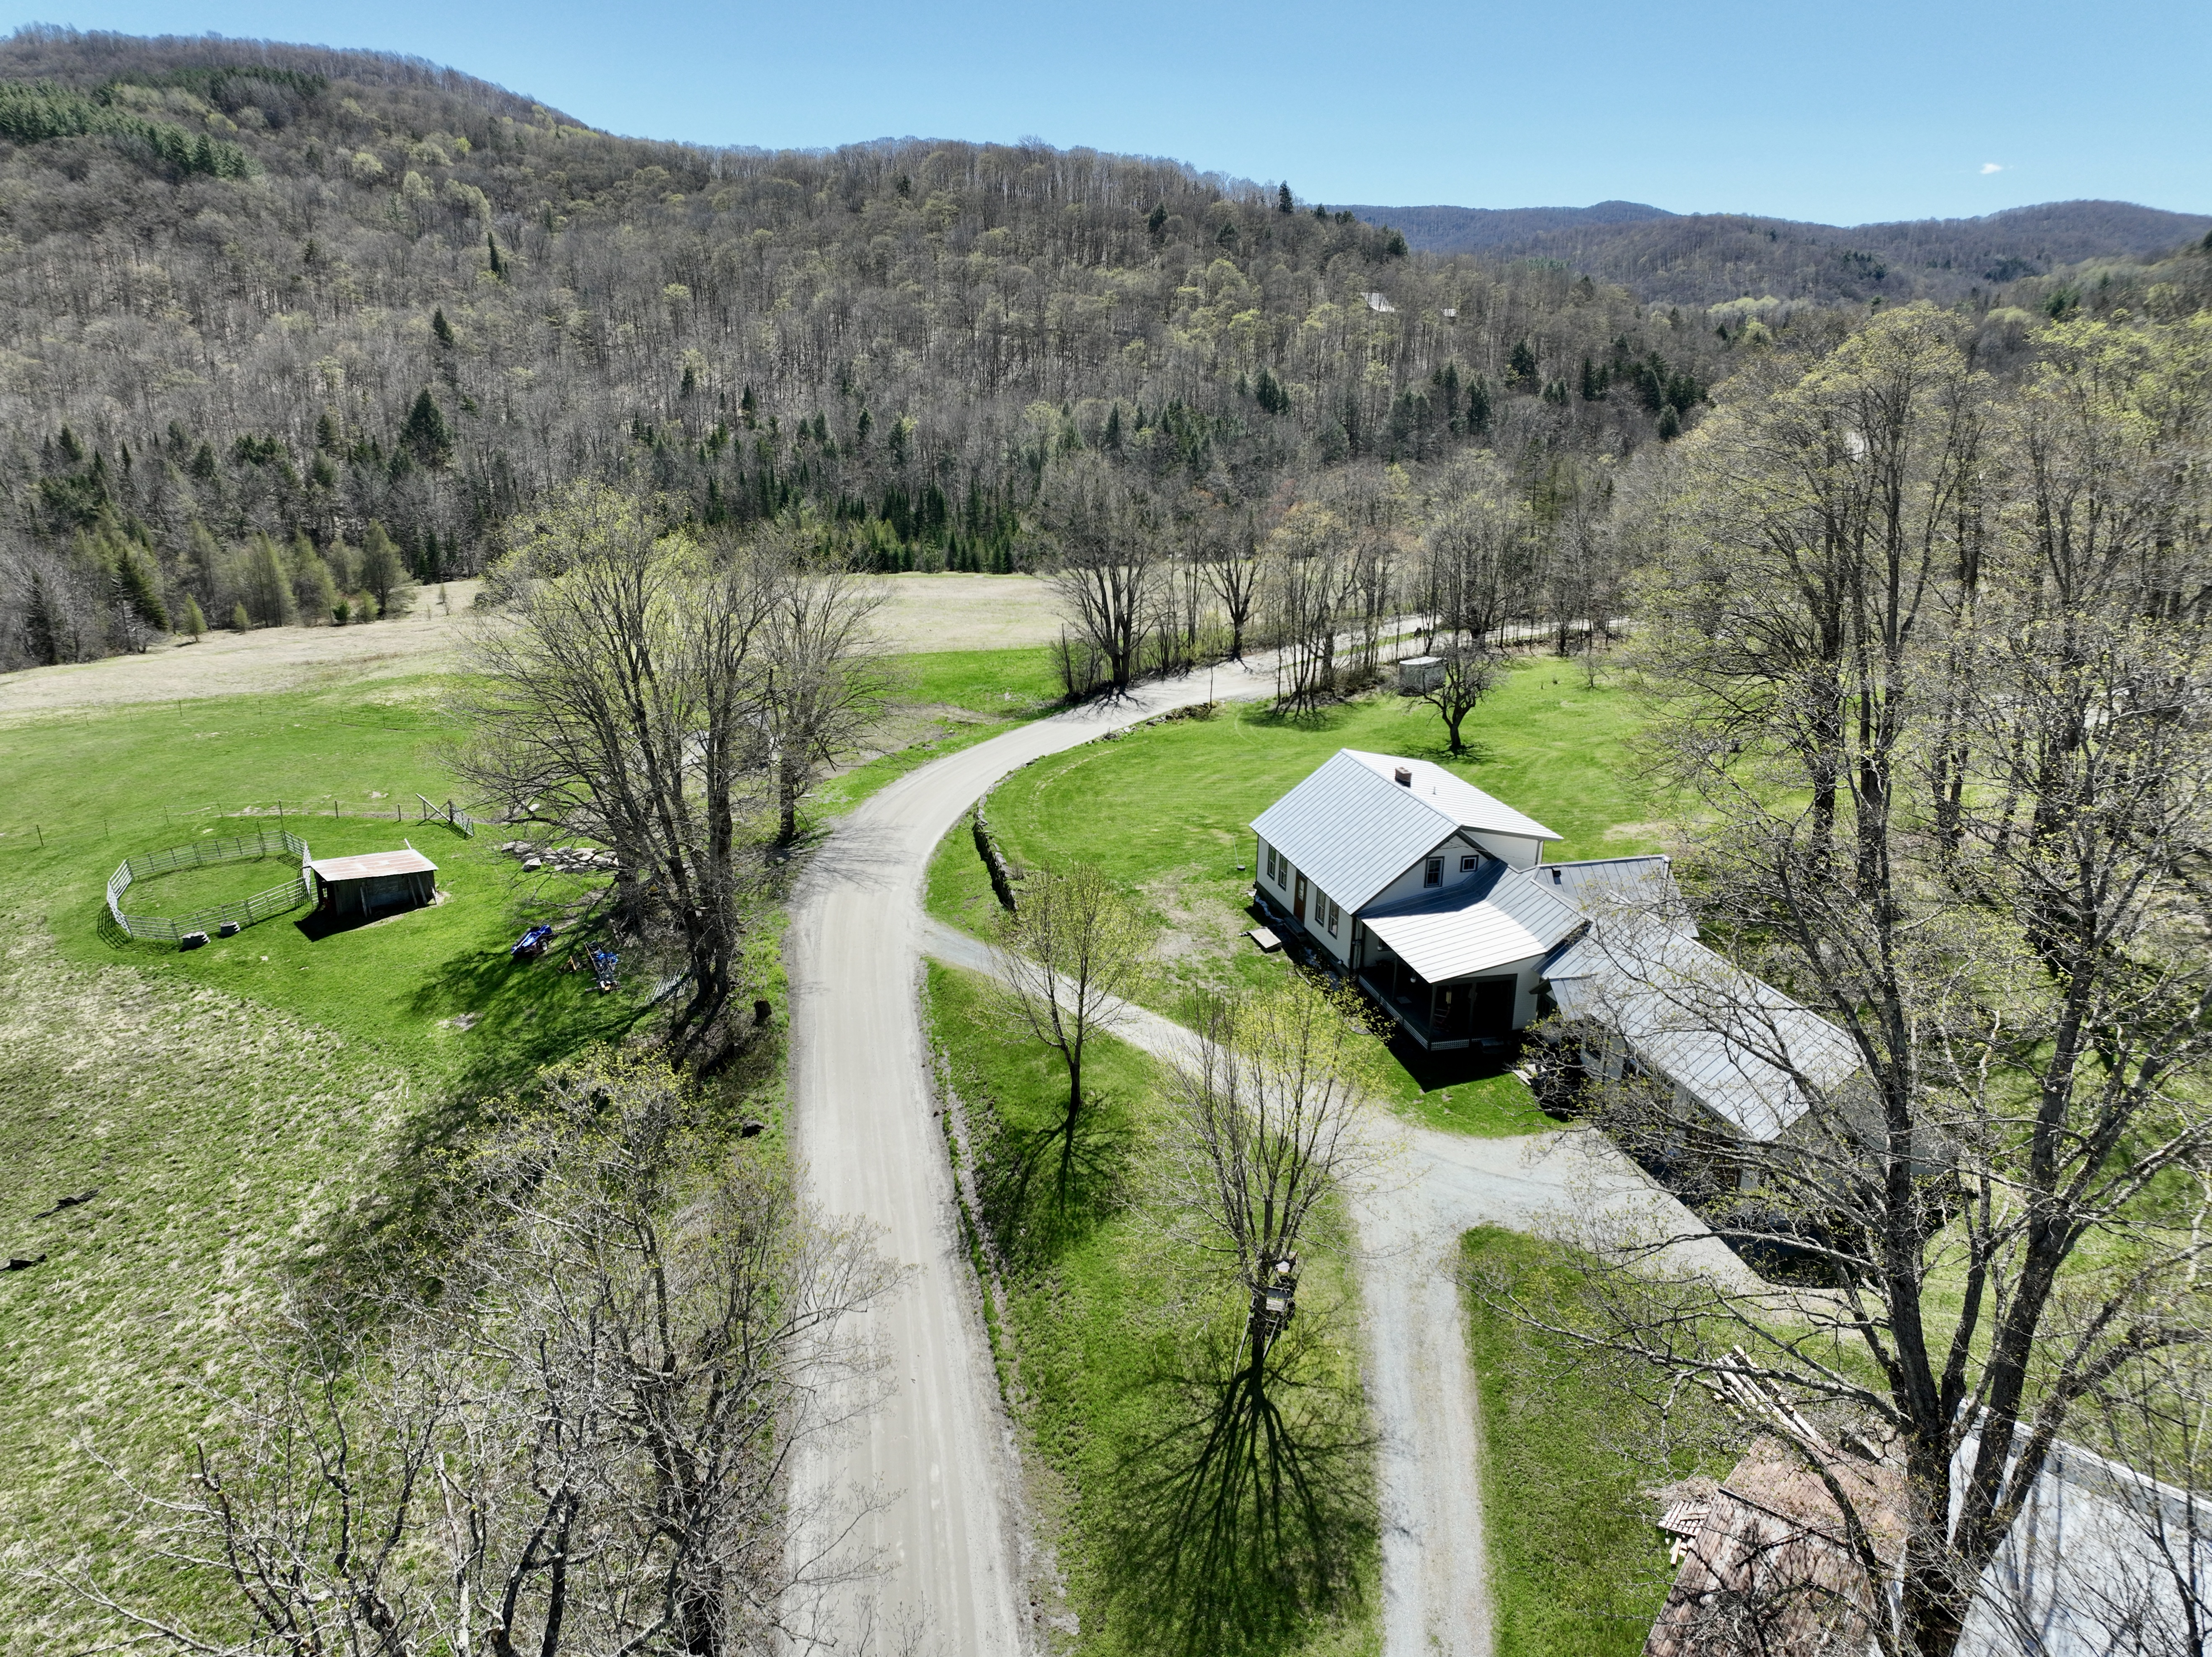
(1417, 883)
(1437, 898)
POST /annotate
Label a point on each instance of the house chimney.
(1405, 776)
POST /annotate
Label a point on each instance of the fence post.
(39, 830)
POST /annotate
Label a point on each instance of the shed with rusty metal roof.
(375, 884)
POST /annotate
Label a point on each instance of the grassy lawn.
(1003, 683)
(1104, 1358)
(1164, 811)
(1571, 1458)
(435, 987)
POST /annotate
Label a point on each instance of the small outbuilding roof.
(1353, 829)
(375, 865)
(1499, 917)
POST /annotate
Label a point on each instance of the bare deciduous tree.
(622, 705)
(1985, 1208)
(580, 1443)
(1466, 674)
(1269, 1119)
(822, 679)
(1070, 956)
(1106, 540)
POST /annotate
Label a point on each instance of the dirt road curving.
(1433, 1187)
(939, 1454)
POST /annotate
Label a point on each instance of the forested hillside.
(285, 329)
(267, 305)
(1707, 257)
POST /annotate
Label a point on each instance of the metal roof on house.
(1602, 887)
(1498, 918)
(1741, 1047)
(1351, 829)
(375, 865)
(1467, 805)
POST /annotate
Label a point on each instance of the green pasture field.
(234, 1107)
(1002, 683)
(950, 700)
(1164, 811)
(1101, 1348)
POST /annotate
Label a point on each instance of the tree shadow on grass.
(1325, 717)
(524, 1016)
(1249, 1511)
(1042, 1190)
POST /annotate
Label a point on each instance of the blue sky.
(1845, 113)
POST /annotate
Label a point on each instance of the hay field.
(946, 612)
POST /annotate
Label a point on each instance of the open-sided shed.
(380, 882)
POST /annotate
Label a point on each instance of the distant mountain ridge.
(1703, 258)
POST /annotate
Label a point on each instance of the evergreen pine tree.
(749, 409)
(1592, 388)
(1156, 221)
(441, 328)
(1521, 367)
(498, 265)
(1670, 425)
(138, 587)
(425, 435)
(1283, 199)
(195, 618)
(239, 620)
(1478, 408)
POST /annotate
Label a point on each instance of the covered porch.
(1460, 1012)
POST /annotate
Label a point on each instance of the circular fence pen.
(239, 914)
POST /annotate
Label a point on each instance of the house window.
(1271, 863)
(1467, 864)
(1332, 917)
(1434, 874)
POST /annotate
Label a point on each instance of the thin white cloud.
(1988, 167)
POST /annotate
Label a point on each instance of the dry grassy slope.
(217, 1132)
